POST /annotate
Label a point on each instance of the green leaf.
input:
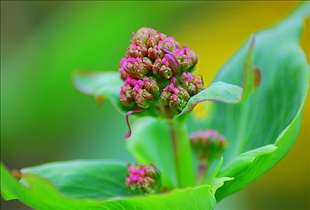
(218, 91)
(219, 182)
(41, 194)
(261, 163)
(272, 114)
(84, 178)
(229, 93)
(101, 85)
(243, 161)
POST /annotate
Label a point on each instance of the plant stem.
(202, 171)
(182, 154)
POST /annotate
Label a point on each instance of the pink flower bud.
(208, 144)
(192, 84)
(155, 52)
(174, 97)
(142, 35)
(134, 67)
(126, 96)
(122, 68)
(170, 60)
(136, 51)
(139, 93)
(147, 63)
(151, 85)
(165, 72)
(169, 43)
(143, 179)
(186, 57)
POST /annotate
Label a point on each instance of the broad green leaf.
(85, 178)
(271, 115)
(229, 93)
(219, 182)
(41, 194)
(260, 164)
(243, 161)
(101, 85)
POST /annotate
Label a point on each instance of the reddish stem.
(128, 134)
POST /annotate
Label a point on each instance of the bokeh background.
(44, 119)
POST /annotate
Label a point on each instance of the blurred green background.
(44, 119)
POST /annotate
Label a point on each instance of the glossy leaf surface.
(271, 115)
(42, 194)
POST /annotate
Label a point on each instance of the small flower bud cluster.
(174, 97)
(143, 179)
(186, 57)
(140, 92)
(161, 59)
(208, 144)
(192, 84)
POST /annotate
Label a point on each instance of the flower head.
(175, 97)
(208, 144)
(139, 93)
(143, 179)
(151, 62)
(192, 84)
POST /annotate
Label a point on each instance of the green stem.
(182, 154)
(202, 171)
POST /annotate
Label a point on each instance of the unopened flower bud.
(136, 51)
(169, 43)
(155, 52)
(172, 62)
(153, 39)
(139, 93)
(122, 69)
(126, 96)
(165, 72)
(143, 179)
(135, 68)
(142, 98)
(177, 103)
(151, 86)
(156, 66)
(174, 97)
(142, 35)
(186, 57)
(208, 144)
(147, 63)
(192, 84)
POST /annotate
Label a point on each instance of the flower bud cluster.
(143, 179)
(208, 144)
(192, 84)
(160, 59)
(174, 97)
(140, 92)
